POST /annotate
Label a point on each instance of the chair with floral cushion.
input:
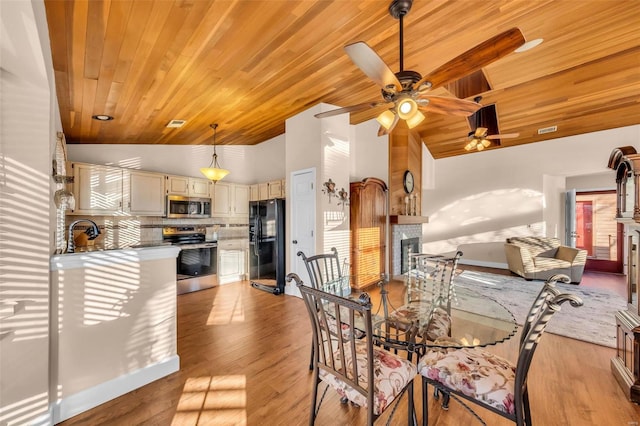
(367, 375)
(430, 277)
(486, 379)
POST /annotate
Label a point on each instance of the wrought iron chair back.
(433, 370)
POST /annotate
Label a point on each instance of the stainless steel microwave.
(187, 207)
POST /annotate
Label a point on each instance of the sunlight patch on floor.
(219, 400)
(226, 310)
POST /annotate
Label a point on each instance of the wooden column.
(405, 153)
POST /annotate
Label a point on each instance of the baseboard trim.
(472, 262)
(99, 394)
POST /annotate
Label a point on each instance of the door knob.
(295, 241)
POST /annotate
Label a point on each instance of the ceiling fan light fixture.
(415, 119)
(214, 172)
(485, 143)
(407, 108)
(387, 119)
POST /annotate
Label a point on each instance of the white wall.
(29, 122)
(369, 153)
(482, 198)
(595, 182)
(248, 164)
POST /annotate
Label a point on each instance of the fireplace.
(400, 233)
(408, 246)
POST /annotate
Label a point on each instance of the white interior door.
(303, 223)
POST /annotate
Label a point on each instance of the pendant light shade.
(214, 172)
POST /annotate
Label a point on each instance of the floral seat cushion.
(344, 328)
(437, 326)
(391, 375)
(478, 374)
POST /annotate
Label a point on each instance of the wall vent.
(549, 129)
(176, 123)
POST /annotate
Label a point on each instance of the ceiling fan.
(484, 125)
(406, 92)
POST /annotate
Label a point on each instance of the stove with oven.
(197, 263)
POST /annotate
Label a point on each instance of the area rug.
(593, 322)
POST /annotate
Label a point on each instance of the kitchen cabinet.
(145, 194)
(268, 190)
(232, 261)
(104, 190)
(230, 199)
(188, 186)
(275, 189)
(253, 192)
(263, 191)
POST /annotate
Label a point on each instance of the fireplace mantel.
(407, 220)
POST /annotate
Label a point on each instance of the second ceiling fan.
(406, 92)
(484, 128)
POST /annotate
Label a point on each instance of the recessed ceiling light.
(528, 45)
(102, 117)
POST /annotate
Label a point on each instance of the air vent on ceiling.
(176, 123)
(549, 129)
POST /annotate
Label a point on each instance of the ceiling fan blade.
(450, 106)
(372, 65)
(352, 108)
(504, 136)
(480, 132)
(476, 58)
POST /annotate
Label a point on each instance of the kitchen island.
(113, 325)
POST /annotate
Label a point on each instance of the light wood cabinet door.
(191, 187)
(263, 191)
(254, 192)
(275, 189)
(178, 185)
(144, 193)
(199, 188)
(97, 189)
(240, 200)
(231, 266)
(221, 199)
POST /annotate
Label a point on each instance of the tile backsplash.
(121, 232)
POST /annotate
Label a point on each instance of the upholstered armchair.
(539, 258)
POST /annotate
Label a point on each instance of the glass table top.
(475, 320)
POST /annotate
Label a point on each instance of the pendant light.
(214, 172)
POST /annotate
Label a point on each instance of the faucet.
(91, 232)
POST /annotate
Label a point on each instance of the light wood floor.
(244, 359)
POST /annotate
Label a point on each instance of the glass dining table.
(473, 319)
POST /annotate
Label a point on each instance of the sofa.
(539, 258)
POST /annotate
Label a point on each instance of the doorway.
(598, 232)
(302, 204)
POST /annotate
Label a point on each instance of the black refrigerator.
(267, 245)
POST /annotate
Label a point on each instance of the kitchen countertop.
(125, 255)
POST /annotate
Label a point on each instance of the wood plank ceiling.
(250, 65)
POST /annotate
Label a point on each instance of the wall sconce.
(343, 196)
(329, 189)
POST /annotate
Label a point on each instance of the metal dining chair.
(324, 274)
(367, 375)
(492, 382)
(324, 269)
(429, 285)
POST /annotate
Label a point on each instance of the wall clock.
(408, 182)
